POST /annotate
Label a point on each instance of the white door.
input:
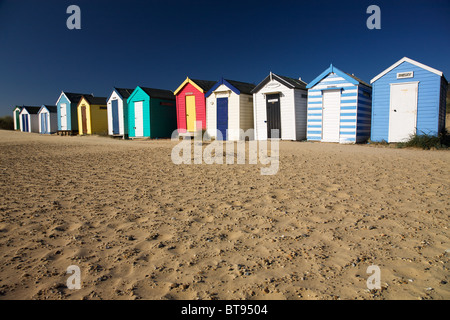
(138, 119)
(402, 111)
(63, 116)
(331, 113)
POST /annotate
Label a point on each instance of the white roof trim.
(24, 111)
(44, 109)
(62, 93)
(114, 93)
(280, 79)
(405, 59)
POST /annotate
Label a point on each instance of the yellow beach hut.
(92, 115)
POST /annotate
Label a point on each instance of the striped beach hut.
(92, 115)
(279, 102)
(229, 109)
(29, 120)
(48, 119)
(118, 112)
(408, 98)
(191, 104)
(67, 104)
(339, 107)
(16, 117)
(151, 113)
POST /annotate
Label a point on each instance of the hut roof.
(159, 93)
(289, 82)
(96, 100)
(31, 109)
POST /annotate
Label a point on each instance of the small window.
(103, 108)
(168, 104)
(250, 99)
(304, 96)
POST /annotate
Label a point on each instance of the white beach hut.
(48, 119)
(279, 102)
(229, 109)
(118, 112)
(29, 120)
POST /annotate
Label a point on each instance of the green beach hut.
(151, 113)
(16, 117)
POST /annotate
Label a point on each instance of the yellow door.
(190, 113)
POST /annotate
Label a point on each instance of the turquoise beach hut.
(151, 113)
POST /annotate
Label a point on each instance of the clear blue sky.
(159, 43)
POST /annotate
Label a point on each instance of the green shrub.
(426, 141)
(7, 123)
(382, 142)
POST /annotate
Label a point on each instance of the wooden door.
(17, 120)
(115, 116)
(44, 125)
(403, 111)
(222, 117)
(273, 114)
(63, 113)
(25, 123)
(190, 113)
(83, 120)
(331, 114)
(139, 119)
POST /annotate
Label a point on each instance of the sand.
(140, 227)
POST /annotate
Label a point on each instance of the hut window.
(304, 96)
(250, 99)
(366, 94)
(103, 108)
(169, 104)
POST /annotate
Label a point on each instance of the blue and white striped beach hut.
(339, 108)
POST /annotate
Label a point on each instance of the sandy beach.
(140, 227)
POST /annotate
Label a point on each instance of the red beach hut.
(191, 104)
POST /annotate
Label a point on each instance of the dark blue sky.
(158, 43)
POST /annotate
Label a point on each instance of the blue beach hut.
(408, 98)
(67, 104)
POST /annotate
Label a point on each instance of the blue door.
(222, 117)
(25, 123)
(115, 116)
(44, 124)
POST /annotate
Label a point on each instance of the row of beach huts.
(407, 98)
